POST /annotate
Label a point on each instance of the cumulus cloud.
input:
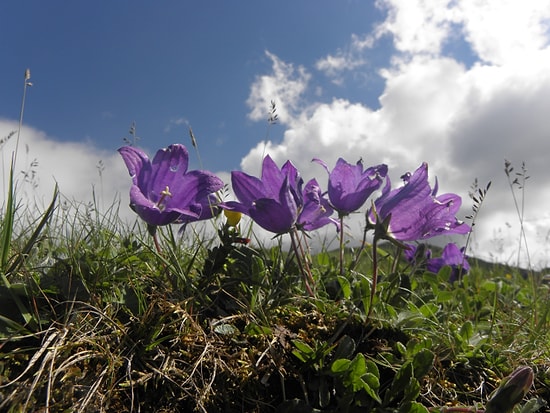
(463, 119)
(418, 26)
(502, 31)
(498, 31)
(75, 167)
(284, 86)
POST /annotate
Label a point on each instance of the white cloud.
(501, 31)
(346, 59)
(417, 26)
(73, 166)
(464, 120)
(498, 31)
(284, 86)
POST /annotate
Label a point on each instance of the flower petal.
(136, 161)
(247, 188)
(272, 216)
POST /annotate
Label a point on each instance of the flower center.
(165, 193)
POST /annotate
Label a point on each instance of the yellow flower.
(233, 217)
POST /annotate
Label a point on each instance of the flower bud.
(233, 217)
(511, 391)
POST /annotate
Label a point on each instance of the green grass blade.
(35, 235)
(7, 225)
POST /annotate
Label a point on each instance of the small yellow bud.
(233, 217)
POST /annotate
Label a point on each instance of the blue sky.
(459, 84)
(97, 67)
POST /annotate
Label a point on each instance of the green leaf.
(422, 363)
(467, 331)
(29, 245)
(444, 273)
(445, 296)
(429, 310)
(303, 351)
(340, 366)
(7, 227)
(413, 407)
(345, 286)
(345, 348)
(533, 405)
(400, 382)
(323, 259)
(411, 392)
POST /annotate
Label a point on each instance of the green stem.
(305, 275)
(374, 272)
(341, 244)
(305, 257)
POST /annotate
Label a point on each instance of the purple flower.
(451, 256)
(276, 202)
(316, 211)
(272, 201)
(415, 211)
(349, 185)
(164, 191)
(417, 254)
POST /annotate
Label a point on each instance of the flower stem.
(306, 258)
(157, 244)
(341, 244)
(374, 273)
(305, 275)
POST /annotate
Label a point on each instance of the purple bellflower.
(164, 191)
(316, 211)
(349, 185)
(272, 201)
(451, 256)
(414, 211)
(276, 202)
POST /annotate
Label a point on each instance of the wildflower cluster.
(165, 192)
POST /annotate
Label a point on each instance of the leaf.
(323, 259)
(413, 407)
(371, 390)
(225, 329)
(533, 405)
(429, 310)
(467, 331)
(412, 391)
(303, 351)
(35, 235)
(7, 227)
(400, 382)
(345, 348)
(340, 365)
(423, 363)
(345, 286)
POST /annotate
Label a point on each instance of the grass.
(109, 324)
